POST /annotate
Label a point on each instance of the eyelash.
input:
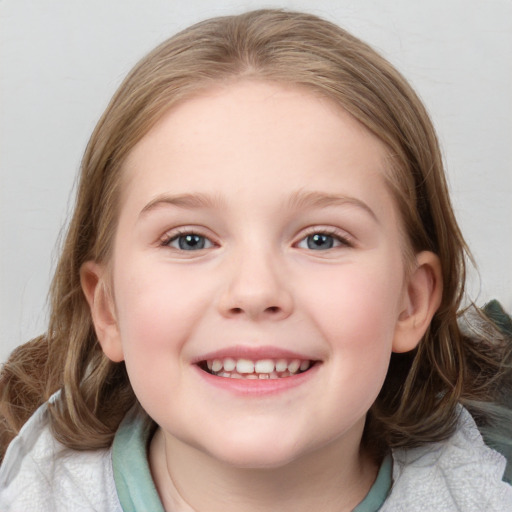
(344, 240)
(178, 233)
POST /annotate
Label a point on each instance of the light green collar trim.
(136, 489)
(132, 476)
(380, 489)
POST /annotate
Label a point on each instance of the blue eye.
(322, 242)
(189, 242)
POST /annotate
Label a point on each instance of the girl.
(256, 303)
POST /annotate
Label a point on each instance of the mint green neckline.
(134, 483)
(380, 489)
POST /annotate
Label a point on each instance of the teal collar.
(134, 484)
(136, 489)
(380, 489)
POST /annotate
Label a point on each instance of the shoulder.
(461, 473)
(41, 475)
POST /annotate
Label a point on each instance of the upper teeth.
(261, 366)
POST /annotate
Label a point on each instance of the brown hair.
(417, 403)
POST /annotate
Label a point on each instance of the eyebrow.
(302, 199)
(187, 201)
(298, 200)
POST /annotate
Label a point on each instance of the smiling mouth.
(260, 369)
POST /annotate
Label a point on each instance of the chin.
(272, 453)
(257, 460)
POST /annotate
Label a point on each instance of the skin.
(256, 150)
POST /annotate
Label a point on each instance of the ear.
(422, 296)
(93, 278)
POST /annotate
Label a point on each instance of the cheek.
(157, 303)
(356, 312)
(157, 312)
(155, 320)
(357, 301)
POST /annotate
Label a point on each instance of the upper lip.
(253, 354)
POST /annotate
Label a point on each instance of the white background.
(61, 60)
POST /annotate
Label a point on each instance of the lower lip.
(257, 387)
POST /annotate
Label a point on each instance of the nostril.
(273, 309)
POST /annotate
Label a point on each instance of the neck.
(334, 478)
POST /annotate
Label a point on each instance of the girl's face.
(258, 278)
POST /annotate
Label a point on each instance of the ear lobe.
(422, 298)
(96, 290)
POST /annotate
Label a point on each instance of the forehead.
(251, 132)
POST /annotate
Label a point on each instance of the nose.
(255, 288)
